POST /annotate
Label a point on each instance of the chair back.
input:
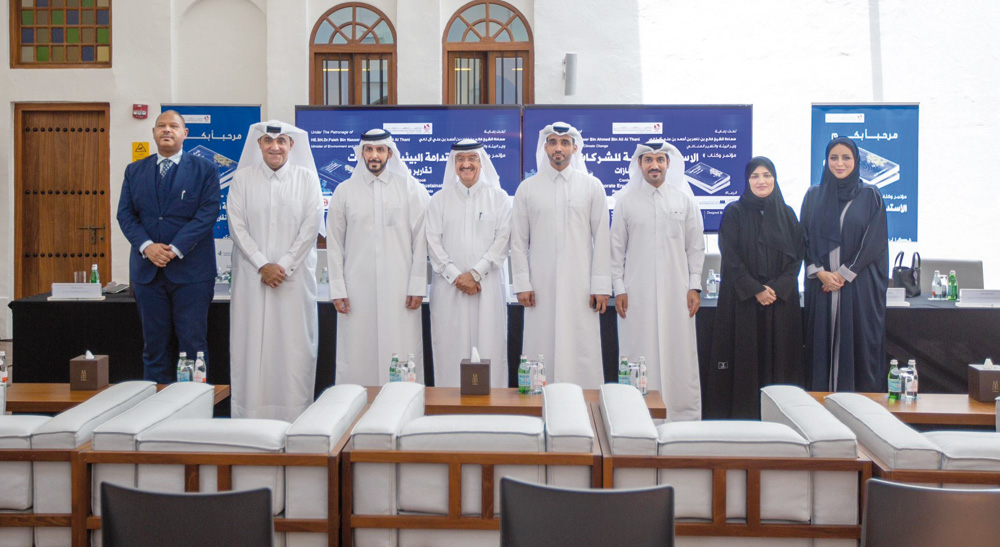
(541, 516)
(152, 519)
(901, 514)
(968, 272)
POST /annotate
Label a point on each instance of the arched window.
(353, 52)
(488, 55)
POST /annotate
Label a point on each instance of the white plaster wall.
(779, 55)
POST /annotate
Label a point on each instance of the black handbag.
(908, 278)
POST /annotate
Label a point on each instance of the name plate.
(76, 291)
(979, 297)
(896, 297)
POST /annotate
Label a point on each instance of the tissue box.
(88, 374)
(475, 377)
(984, 384)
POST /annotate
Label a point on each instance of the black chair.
(540, 516)
(917, 516)
(151, 519)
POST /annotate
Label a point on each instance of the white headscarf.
(561, 128)
(487, 172)
(376, 137)
(675, 172)
(300, 154)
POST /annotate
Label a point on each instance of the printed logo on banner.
(409, 128)
(849, 117)
(636, 128)
(197, 118)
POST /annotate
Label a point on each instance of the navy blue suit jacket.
(185, 221)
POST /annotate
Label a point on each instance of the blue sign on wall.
(217, 133)
(887, 139)
(424, 136)
(716, 143)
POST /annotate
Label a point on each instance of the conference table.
(942, 337)
(934, 409)
(52, 398)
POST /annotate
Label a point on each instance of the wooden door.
(62, 218)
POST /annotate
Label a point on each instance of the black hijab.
(824, 222)
(779, 229)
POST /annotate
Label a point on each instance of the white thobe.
(468, 228)
(657, 253)
(559, 249)
(377, 253)
(273, 333)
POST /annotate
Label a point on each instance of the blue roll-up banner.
(716, 141)
(424, 136)
(887, 139)
(217, 133)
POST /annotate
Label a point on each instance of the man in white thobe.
(468, 235)
(657, 253)
(377, 252)
(560, 259)
(274, 211)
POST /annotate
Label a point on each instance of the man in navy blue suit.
(168, 207)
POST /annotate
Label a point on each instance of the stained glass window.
(61, 33)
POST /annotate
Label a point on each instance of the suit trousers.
(174, 318)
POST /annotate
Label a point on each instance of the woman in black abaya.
(847, 273)
(758, 323)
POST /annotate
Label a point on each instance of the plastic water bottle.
(712, 285)
(181, 367)
(411, 369)
(952, 286)
(200, 369)
(4, 371)
(643, 378)
(538, 378)
(523, 380)
(394, 372)
(911, 387)
(95, 276)
(895, 384)
(937, 290)
(623, 377)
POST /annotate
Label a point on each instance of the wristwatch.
(475, 276)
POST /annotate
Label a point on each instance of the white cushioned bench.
(15, 476)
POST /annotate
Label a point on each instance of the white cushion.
(835, 493)
(67, 431)
(567, 429)
(424, 487)
(15, 434)
(967, 450)
(630, 431)
(215, 435)
(785, 495)
(375, 483)
(316, 431)
(889, 439)
(178, 400)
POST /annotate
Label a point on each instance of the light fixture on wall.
(569, 73)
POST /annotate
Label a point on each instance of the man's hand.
(527, 298)
(621, 304)
(467, 284)
(832, 281)
(599, 302)
(272, 274)
(767, 296)
(342, 305)
(694, 302)
(159, 254)
(414, 302)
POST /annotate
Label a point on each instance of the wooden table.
(449, 400)
(934, 409)
(54, 398)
